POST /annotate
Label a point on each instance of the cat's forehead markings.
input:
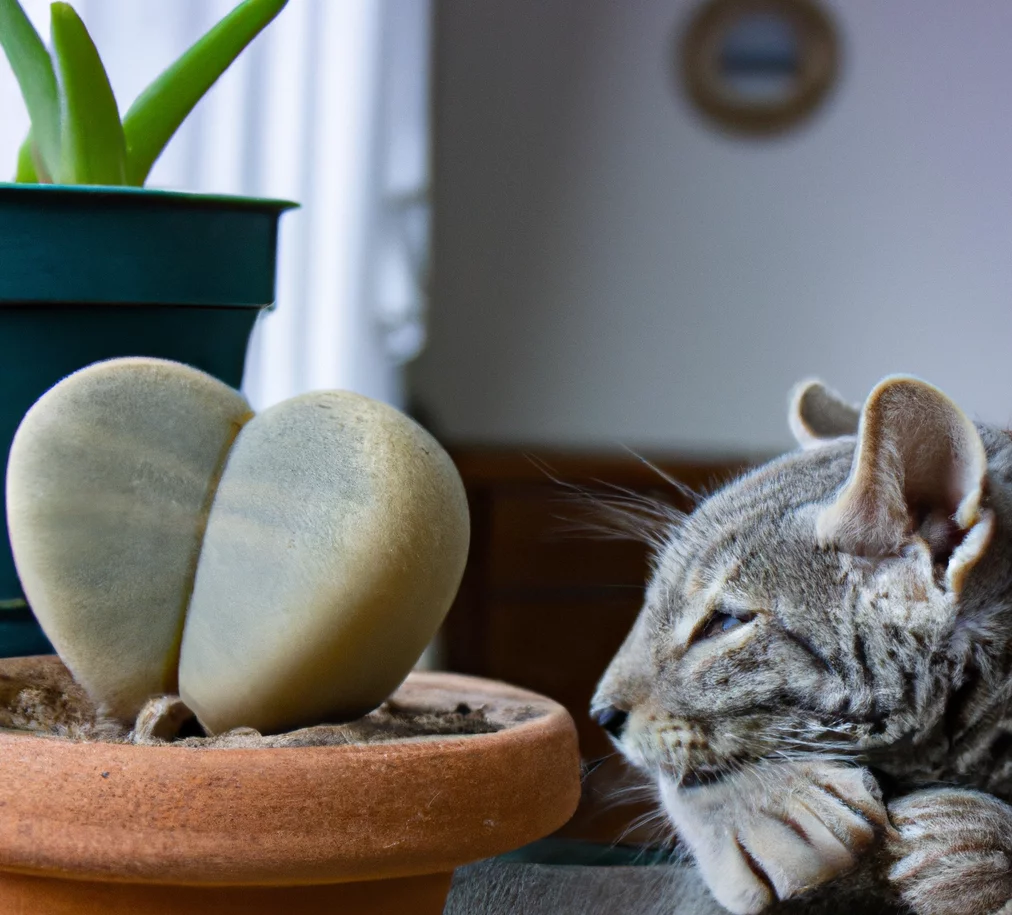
(709, 596)
(760, 504)
(697, 583)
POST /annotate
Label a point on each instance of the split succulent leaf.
(278, 570)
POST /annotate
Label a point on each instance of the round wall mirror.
(759, 66)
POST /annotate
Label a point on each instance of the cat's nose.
(611, 719)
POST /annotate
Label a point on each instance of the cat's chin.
(775, 829)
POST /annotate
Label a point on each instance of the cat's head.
(818, 607)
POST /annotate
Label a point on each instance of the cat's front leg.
(776, 830)
(950, 852)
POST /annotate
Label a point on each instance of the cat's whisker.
(811, 738)
(617, 512)
(654, 823)
(816, 743)
(624, 524)
(643, 820)
(693, 496)
(616, 800)
(633, 792)
(589, 768)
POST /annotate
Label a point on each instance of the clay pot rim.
(289, 815)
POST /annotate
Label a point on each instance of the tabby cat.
(819, 681)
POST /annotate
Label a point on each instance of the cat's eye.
(720, 623)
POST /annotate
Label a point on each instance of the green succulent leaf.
(159, 110)
(33, 69)
(93, 148)
(27, 173)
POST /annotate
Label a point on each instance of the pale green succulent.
(77, 136)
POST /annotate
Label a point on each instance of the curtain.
(329, 107)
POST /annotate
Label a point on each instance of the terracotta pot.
(91, 827)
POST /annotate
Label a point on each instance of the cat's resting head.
(815, 612)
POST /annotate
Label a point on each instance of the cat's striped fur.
(821, 678)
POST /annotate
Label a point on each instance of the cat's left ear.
(919, 471)
(818, 414)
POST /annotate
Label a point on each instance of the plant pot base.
(424, 895)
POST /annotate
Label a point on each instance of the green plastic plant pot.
(92, 273)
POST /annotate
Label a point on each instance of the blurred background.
(557, 229)
(611, 265)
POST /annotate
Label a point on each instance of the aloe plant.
(77, 136)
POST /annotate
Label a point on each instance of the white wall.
(610, 269)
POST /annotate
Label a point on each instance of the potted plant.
(302, 824)
(243, 579)
(94, 265)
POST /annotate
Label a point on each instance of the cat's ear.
(919, 472)
(818, 415)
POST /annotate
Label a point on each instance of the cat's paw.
(951, 852)
(776, 830)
